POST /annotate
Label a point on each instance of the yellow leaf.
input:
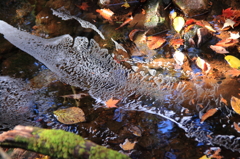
(126, 5)
(235, 103)
(178, 23)
(204, 157)
(70, 115)
(111, 103)
(233, 61)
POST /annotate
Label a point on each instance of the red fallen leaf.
(125, 22)
(176, 43)
(105, 13)
(83, 6)
(111, 103)
(227, 42)
(154, 42)
(190, 21)
(227, 13)
(199, 23)
(208, 114)
(203, 65)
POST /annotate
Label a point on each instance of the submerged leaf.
(70, 115)
(154, 42)
(228, 22)
(127, 145)
(178, 57)
(105, 13)
(233, 61)
(178, 23)
(111, 103)
(208, 114)
(235, 103)
(202, 64)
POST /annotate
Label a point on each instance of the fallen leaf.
(235, 103)
(190, 21)
(178, 23)
(83, 6)
(219, 49)
(234, 35)
(234, 72)
(143, 11)
(132, 33)
(127, 145)
(236, 127)
(208, 114)
(172, 14)
(125, 22)
(178, 57)
(223, 101)
(228, 22)
(176, 43)
(135, 130)
(204, 157)
(227, 42)
(111, 103)
(105, 13)
(125, 5)
(203, 65)
(70, 115)
(154, 42)
(233, 61)
(227, 13)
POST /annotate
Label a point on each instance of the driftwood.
(55, 143)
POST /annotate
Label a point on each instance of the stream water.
(32, 92)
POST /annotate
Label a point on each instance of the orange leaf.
(154, 42)
(235, 103)
(236, 127)
(208, 114)
(227, 42)
(190, 21)
(227, 13)
(105, 13)
(83, 6)
(176, 42)
(234, 72)
(111, 103)
(125, 22)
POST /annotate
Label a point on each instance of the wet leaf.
(70, 115)
(235, 103)
(125, 22)
(125, 5)
(234, 35)
(154, 42)
(178, 23)
(233, 61)
(111, 103)
(176, 43)
(233, 72)
(127, 145)
(190, 21)
(172, 14)
(223, 101)
(204, 157)
(228, 22)
(178, 57)
(227, 13)
(203, 65)
(105, 13)
(83, 6)
(236, 127)
(219, 49)
(208, 114)
(227, 42)
(135, 130)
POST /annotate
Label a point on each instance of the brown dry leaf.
(236, 127)
(105, 13)
(111, 103)
(235, 103)
(127, 145)
(70, 115)
(208, 114)
(202, 64)
(154, 42)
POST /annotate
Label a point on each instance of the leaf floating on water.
(219, 49)
(178, 23)
(227, 42)
(202, 64)
(127, 145)
(135, 130)
(236, 127)
(111, 103)
(105, 13)
(178, 57)
(228, 22)
(235, 103)
(234, 35)
(208, 114)
(154, 42)
(233, 61)
(83, 6)
(70, 115)
(125, 5)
